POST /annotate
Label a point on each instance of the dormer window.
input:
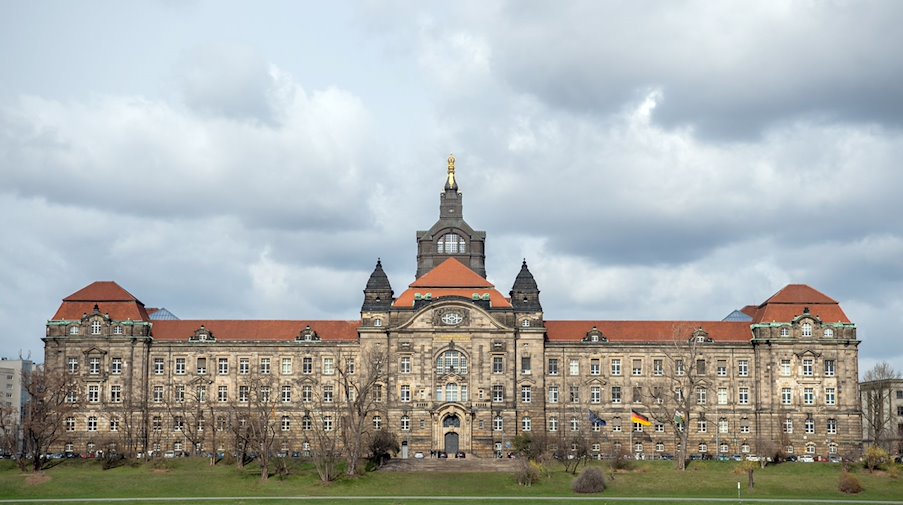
(594, 335)
(700, 336)
(308, 335)
(525, 323)
(807, 329)
(117, 330)
(785, 332)
(377, 322)
(95, 327)
(451, 243)
(202, 335)
(73, 330)
(829, 333)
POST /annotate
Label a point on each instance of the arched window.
(451, 421)
(451, 362)
(807, 329)
(451, 243)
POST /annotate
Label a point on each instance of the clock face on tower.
(452, 318)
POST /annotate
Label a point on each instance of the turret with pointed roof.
(525, 293)
(378, 293)
(451, 236)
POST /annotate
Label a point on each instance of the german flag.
(636, 417)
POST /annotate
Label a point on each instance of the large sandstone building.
(467, 368)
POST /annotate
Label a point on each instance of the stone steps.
(469, 464)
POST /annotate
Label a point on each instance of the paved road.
(440, 499)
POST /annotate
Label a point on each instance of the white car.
(806, 458)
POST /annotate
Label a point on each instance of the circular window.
(452, 318)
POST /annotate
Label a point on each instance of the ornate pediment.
(594, 336)
(202, 334)
(307, 335)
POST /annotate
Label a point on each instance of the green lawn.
(193, 478)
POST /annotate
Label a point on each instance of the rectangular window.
(830, 396)
(702, 426)
(807, 367)
(244, 366)
(786, 368)
(307, 393)
(94, 366)
(679, 367)
(286, 366)
(526, 394)
(222, 394)
(243, 393)
(658, 367)
(307, 365)
(786, 396)
(743, 396)
(831, 426)
(202, 366)
(180, 393)
(405, 393)
(498, 393)
(264, 366)
(722, 368)
(637, 368)
(616, 394)
(286, 394)
(377, 392)
(553, 394)
(723, 425)
(222, 366)
(616, 366)
(158, 394)
(328, 396)
(116, 366)
(525, 365)
(349, 366)
(743, 368)
(700, 367)
(595, 394)
(553, 424)
(553, 366)
(405, 364)
(116, 394)
(722, 396)
(701, 396)
(744, 426)
(328, 366)
(809, 396)
(595, 367)
(574, 367)
(574, 394)
(180, 366)
(788, 425)
(93, 393)
(158, 366)
(809, 425)
(830, 368)
(92, 423)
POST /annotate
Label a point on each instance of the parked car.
(418, 455)
(806, 458)
(835, 459)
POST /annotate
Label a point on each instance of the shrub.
(529, 473)
(849, 484)
(623, 460)
(590, 481)
(875, 457)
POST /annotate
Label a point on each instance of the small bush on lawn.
(529, 473)
(623, 460)
(849, 484)
(590, 481)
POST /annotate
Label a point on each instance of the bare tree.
(358, 382)
(678, 396)
(262, 421)
(322, 421)
(876, 391)
(45, 411)
(9, 430)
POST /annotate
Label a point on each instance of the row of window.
(263, 394)
(808, 397)
(95, 328)
(806, 330)
(807, 367)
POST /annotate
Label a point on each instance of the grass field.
(193, 478)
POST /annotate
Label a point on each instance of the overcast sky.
(650, 160)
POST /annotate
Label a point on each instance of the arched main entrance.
(451, 443)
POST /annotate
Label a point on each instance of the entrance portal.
(451, 443)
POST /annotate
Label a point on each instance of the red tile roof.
(648, 331)
(110, 298)
(253, 331)
(452, 278)
(793, 300)
(451, 273)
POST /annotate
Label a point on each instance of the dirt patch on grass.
(36, 479)
(159, 471)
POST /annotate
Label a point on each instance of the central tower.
(451, 236)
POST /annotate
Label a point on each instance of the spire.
(451, 183)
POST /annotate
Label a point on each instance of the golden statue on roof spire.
(451, 184)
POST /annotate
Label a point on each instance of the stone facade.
(467, 368)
